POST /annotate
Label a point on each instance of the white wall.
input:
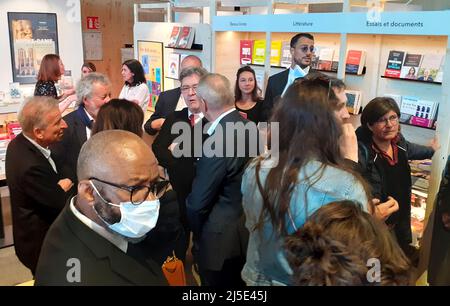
(70, 42)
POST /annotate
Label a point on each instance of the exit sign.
(92, 23)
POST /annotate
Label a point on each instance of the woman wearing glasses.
(309, 173)
(247, 97)
(383, 157)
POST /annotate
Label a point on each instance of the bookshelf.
(410, 80)
(195, 47)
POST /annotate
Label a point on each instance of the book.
(326, 58)
(316, 57)
(186, 38)
(335, 63)
(440, 74)
(411, 66)
(174, 37)
(246, 48)
(429, 68)
(259, 52)
(286, 56)
(353, 101)
(174, 66)
(418, 112)
(275, 53)
(355, 61)
(394, 64)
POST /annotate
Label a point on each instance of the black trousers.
(229, 276)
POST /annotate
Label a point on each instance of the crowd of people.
(311, 203)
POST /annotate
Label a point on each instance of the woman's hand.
(434, 144)
(383, 210)
(348, 142)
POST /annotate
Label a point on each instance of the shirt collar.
(213, 126)
(45, 151)
(199, 115)
(89, 116)
(118, 241)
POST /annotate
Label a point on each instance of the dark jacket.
(214, 207)
(439, 263)
(371, 167)
(67, 150)
(367, 157)
(36, 197)
(167, 103)
(100, 262)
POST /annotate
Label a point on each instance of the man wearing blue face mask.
(116, 206)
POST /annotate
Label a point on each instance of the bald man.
(116, 206)
(38, 190)
(170, 100)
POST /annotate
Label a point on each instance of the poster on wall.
(93, 49)
(150, 54)
(31, 36)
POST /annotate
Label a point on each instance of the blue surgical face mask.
(136, 220)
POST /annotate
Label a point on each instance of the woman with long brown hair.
(309, 174)
(50, 72)
(248, 101)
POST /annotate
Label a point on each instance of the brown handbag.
(173, 269)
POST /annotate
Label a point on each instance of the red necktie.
(192, 119)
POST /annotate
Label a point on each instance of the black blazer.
(181, 170)
(36, 197)
(101, 262)
(275, 87)
(214, 207)
(167, 103)
(67, 150)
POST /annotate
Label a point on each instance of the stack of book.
(181, 37)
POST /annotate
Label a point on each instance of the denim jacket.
(266, 263)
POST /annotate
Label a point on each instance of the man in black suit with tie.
(181, 170)
(38, 191)
(170, 100)
(92, 242)
(214, 206)
(302, 51)
(92, 92)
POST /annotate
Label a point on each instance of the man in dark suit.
(170, 100)
(302, 51)
(92, 242)
(214, 206)
(37, 190)
(93, 91)
(181, 170)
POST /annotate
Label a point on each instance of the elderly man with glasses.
(92, 242)
(302, 51)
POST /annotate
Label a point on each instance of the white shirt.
(45, 151)
(197, 116)
(216, 122)
(139, 93)
(295, 73)
(118, 241)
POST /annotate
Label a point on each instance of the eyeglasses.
(139, 194)
(305, 48)
(384, 121)
(188, 88)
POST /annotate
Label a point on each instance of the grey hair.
(86, 85)
(32, 114)
(103, 150)
(192, 70)
(215, 89)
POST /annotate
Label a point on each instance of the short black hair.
(298, 36)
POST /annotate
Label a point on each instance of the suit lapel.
(80, 130)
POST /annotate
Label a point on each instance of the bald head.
(215, 89)
(191, 61)
(116, 155)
